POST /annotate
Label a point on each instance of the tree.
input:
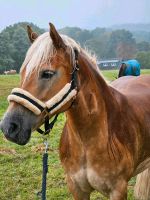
(5, 50)
(21, 43)
(125, 51)
(14, 43)
(99, 45)
(121, 40)
(79, 35)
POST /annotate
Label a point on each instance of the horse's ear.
(56, 38)
(32, 35)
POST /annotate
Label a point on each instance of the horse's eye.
(47, 74)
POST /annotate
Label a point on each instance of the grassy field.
(20, 166)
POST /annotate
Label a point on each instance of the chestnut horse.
(106, 137)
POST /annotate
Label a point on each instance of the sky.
(87, 14)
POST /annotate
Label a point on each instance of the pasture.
(20, 166)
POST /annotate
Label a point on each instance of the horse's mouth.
(20, 138)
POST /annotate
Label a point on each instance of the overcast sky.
(82, 13)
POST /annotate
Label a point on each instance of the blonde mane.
(42, 50)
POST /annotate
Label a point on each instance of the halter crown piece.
(36, 106)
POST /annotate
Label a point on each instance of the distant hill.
(141, 32)
(133, 27)
(141, 36)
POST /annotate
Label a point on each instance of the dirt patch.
(37, 148)
(7, 151)
(40, 148)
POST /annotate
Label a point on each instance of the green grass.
(6, 85)
(112, 74)
(20, 166)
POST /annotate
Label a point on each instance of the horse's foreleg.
(120, 191)
(76, 191)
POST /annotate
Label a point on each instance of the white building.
(112, 63)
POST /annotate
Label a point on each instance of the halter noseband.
(36, 106)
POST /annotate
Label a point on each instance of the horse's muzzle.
(16, 128)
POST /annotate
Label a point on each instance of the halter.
(36, 106)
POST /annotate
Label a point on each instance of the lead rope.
(45, 170)
(48, 128)
(42, 193)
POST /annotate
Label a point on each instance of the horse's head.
(44, 88)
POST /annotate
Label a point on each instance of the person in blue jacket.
(129, 68)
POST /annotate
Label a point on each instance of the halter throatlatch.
(36, 106)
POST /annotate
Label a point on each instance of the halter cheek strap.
(61, 98)
(26, 99)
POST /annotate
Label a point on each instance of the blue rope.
(45, 170)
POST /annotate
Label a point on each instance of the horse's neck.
(89, 107)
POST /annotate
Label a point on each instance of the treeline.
(105, 43)
(108, 43)
(14, 43)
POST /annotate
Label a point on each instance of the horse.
(129, 68)
(10, 72)
(105, 140)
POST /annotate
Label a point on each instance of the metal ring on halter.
(45, 111)
(45, 142)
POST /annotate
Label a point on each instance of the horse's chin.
(21, 138)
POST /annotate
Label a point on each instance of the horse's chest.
(81, 180)
(88, 179)
(99, 182)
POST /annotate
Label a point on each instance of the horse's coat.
(107, 132)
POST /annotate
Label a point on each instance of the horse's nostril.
(13, 128)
